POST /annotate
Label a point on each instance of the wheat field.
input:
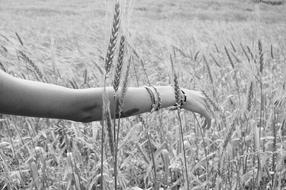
(232, 50)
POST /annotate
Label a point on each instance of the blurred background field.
(76, 32)
(215, 45)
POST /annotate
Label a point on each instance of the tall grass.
(178, 97)
(242, 78)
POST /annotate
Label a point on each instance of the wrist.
(183, 98)
(167, 96)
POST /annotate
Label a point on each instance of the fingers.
(208, 120)
(207, 112)
(199, 104)
(205, 124)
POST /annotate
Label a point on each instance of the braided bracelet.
(155, 98)
(151, 94)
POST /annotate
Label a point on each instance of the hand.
(196, 102)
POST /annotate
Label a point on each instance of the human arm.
(36, 99)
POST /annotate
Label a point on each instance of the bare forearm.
(36, 99)
(136, 101)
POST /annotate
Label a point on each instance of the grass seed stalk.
(108, 64)
(178, 105)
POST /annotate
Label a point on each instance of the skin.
(37, 99)
(128, 113)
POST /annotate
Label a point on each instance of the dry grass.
(239, 63)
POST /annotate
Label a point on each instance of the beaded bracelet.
(183, 100)
(156, 100)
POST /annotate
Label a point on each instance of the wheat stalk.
(245, 53)
(208, 69)
(228, 136)
(178, 104)
(119, 108)
(2, 67)
(260, 56)
(124, 85)
(271, 51)
(109, 129)
(210, 76)
(31, 63)
(274, 145)
(141, 62)
(108, 64)
(232, 46)
(249, 96)
(216, 47)
(250, 52)
(118, 69)
(145, 125)
(229, 58)
(181, 52)
(235, 57)
(214, 59)
(117, 76)
(113, 38)
(261, 114)
(19, 39)
(214, 105)
(196, 55)
(116, 82)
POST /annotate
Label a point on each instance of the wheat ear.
(38, 72)
(229, 58)
(19, 39)
(271, 51)
(214, 59)
(245, 53)
(108, 64)
(232, 46)
(124, 86)
(260, 56)
(113, 38)
(208, 69)
(228, 136)
(109, 61)
(178, 103)
(249, 96)
(250, 52)
(116, 82)
(2, 67)
(118, 69)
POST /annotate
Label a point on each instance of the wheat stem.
(229, 58)
(108, 64)
(116, 82)
(178, 103)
